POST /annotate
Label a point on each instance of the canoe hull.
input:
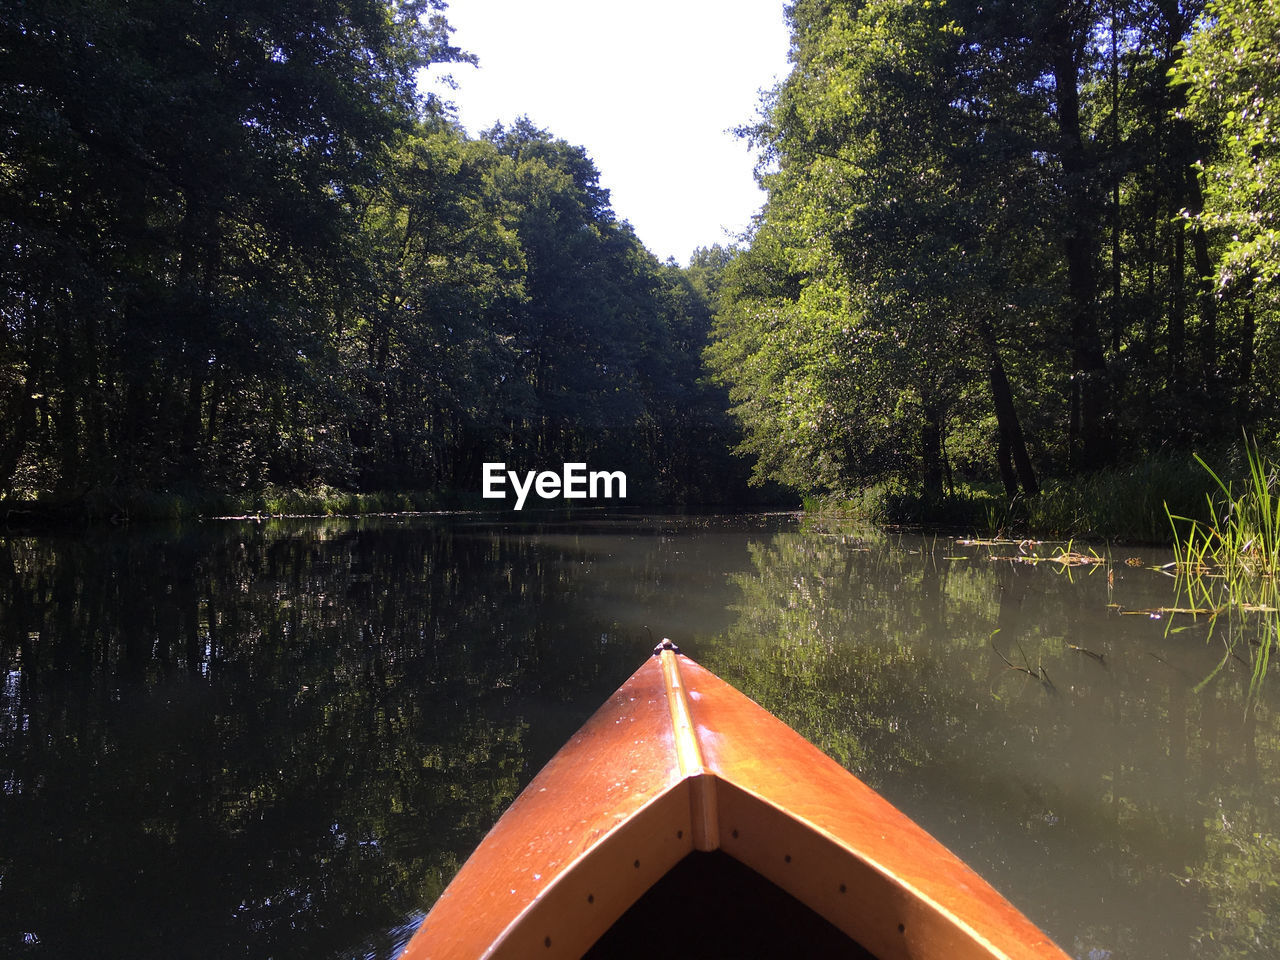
(678, 761)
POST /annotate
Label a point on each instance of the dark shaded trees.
(178, 203)
(239, 249)
(426, 348)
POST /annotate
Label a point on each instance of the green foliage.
(986, 252)
(1232, 72)
(242, 253)
(178, 203)
(1124, 503)
(890, 214)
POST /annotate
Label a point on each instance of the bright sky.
(652, 91)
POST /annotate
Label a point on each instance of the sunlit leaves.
(1232, 68)
(888, 211)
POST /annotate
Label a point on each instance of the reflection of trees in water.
(1122, 807)
(282, 740)
(265, 741)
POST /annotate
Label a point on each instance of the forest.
(1003, 243)
(1009, 240)
(241, 248)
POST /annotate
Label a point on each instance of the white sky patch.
(652, 91)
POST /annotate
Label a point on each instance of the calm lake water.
(281, 739)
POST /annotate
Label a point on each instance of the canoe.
(685, 820)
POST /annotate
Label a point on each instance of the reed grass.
(1241, 538)
(1229, 563)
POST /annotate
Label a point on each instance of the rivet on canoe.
(679, 834)
(735, 834)
(547, 942)
(591, 898)
(637, 864)
(843, 888)
(902, 928)
(787, 858)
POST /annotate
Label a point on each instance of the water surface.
(281, 739)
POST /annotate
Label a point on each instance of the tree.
(890, 207)
(178, 195)
(590, 307)
(1232, 73)
(985, 222)
(426, 352)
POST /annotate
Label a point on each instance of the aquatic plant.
(1229, 564)
(1241, 538)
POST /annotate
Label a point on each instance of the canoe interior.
(710, 905)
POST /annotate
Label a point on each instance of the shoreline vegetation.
(1125, 504)
(1144, 503)
(118, 507)
(1228, 566)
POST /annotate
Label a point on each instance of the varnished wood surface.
(800, 819)
(677, 760)
(611, 805)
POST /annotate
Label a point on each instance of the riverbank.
(119, 506)
(102, 506)
(1128, 504)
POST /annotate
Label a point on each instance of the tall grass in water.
(1242, 536)
(1230, 564)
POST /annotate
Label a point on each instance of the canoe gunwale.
(887, 915)
(575, 908)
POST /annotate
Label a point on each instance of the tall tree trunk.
(1206, 301)
(1178, 311)
(19, 412)
(192, 420)
(1012, 457)
(1089, 390)
(217, 392)
(67, 410)
(1004, 462)
(95, 419)
(198, 275)
(1117, 314)
(1244, 394)
(1180, 150)
(931, 451)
